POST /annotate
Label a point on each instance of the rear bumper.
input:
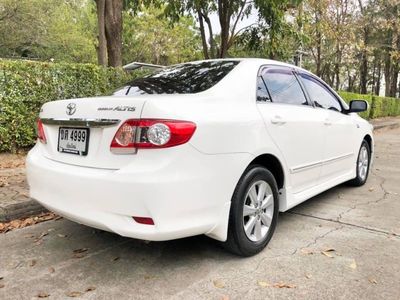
(185, 192)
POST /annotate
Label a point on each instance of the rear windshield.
(188, 78)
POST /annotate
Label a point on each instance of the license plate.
(73, 140)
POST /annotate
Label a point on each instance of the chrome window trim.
(80, 122)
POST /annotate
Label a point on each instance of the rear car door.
(339, 151)
(295, 126)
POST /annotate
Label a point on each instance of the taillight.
(151, 133)
(40, 132)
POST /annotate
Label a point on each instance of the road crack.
(346, 224)
(316, 239)
(384, 197)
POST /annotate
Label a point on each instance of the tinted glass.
(186, 78)
(283, 86)
(262, 92)
(320, 94)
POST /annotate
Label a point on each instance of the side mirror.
(358, 106)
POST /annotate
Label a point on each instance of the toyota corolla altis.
(214, 147)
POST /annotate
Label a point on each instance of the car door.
(339, 152)
(295, 126)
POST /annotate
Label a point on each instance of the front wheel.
(254, 212)
(363, 164)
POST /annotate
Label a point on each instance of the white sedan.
(214, 147)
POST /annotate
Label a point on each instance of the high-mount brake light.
(136, 134)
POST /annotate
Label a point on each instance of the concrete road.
(343, 244)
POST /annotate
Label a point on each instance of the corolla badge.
(71, 109)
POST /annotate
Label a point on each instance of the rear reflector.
(40, 132)
(143, 220)
(151, 133)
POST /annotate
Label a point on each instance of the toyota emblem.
(71, 109)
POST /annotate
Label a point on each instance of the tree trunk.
(363, 73)
(364, 65)
(374, 68)
(394, 79)
(213, 51)
(378, 79)
(224, 20)
(388, 64)
(319, 41)
(364, 58)
(395, 68)
(203, 35)
(113, 29)
(337, 67)
(102, 46)
(387, 73)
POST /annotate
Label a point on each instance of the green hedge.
(385, 107)
(26, 85)
(378, 106)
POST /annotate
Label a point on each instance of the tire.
(362, 165)
(247, 243)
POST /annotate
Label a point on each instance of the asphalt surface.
(342, 244)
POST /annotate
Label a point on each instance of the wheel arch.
(368, 139)
(274, 165)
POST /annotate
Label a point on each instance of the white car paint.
(187, 189)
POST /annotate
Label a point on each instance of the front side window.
(188, 78)
(320, 94)
(282, 86)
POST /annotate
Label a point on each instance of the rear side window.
(282, 86)
(320, 94)
(188, 78)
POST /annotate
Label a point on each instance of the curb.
(21, 210)
(392, 125)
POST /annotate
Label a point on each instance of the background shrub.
(25, 86)
(378, 106)
(385, 107)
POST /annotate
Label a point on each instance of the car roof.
(256, 61)
(262, 61)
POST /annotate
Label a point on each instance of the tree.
(365, 23)
(152, 38)
(109, 16)
(47, 30)
(102, 41)
(229, 13)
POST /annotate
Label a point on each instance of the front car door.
(339, 152)
(295, 126)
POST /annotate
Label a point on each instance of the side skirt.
(295, 199)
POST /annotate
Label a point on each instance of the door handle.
(327, 122)
(277, 120)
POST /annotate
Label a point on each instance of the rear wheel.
(254, 212)
(362, 167)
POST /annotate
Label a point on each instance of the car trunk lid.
(79, 131)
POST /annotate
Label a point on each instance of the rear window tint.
(188, 78)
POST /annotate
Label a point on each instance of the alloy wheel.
(258, 211)
(363, 161)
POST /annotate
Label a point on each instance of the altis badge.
(117, 108)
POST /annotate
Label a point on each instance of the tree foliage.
(47, 29)
(149, 37)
